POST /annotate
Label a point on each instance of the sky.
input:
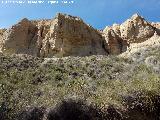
(98, 13)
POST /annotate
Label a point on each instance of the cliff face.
(134, 30)
(1, 38)
(63, 36)
(19, 38)
(115, 43)
(157, 27)
(67, 35)
(138, 51)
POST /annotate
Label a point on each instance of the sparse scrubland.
(80, 88)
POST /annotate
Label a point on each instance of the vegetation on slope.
(79, 88)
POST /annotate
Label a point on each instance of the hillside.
(64, 69)
(97, 87)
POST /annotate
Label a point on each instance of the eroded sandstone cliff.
(133, 31)
(136, 29)
(67, 35)
(157, 27)
(1, 38)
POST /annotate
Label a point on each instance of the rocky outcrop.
(114, 42)
(1, 38)
(67, 35)
(19, 38)
(157, 27)
(2, 31)
(63, 36)
(135, 30)
(136, 51)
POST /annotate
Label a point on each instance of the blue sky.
(98, 13)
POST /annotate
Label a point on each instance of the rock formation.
(114, 42)
(157, 27)
(135, 30)
(138, 49)
(67, 35)
(1, 38)
(63, 36)
(19, 38)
